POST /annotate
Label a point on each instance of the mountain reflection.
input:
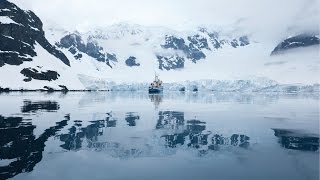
(29, 106)
(24, 150)
(293, 139)
(131, 118)
(174, 129)
(170, 119)
(194, 135)
(73, 140)
(19, 144)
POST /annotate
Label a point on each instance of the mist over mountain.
(267, 19)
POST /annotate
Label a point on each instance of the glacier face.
(254, 85)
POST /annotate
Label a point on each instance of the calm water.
(172, 136)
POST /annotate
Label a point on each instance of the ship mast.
(155, 77)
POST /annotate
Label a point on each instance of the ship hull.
(155, 90)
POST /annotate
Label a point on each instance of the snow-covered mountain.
(169, 49)
(20, 31)
(298, 41)
(33, 56)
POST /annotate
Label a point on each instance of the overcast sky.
(179, 14)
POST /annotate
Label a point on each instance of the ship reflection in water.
(156, 99)
(128, 135)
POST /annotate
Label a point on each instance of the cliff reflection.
(131, 118)
(23, 149)
(293, 139)
(174, 131)
(29, 106)
(19, 144)
(74, 139)
(170, 119)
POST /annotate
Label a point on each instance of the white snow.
(25, 43)
(8, 52)
(8, 37)
(36, 29)
(6, 20)
(4, 10)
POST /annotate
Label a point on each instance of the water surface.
(133, 135)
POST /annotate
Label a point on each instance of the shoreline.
(172, 91)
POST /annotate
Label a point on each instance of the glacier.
(255, 85)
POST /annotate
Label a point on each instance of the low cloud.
(271, 18)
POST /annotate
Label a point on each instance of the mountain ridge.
(24, 30)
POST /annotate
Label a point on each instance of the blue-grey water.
(133, 135)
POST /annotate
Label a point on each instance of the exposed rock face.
(191, 51)
(217, 42)
(194, 50)
(131, 61)
(32, 73)
(64, 88)
(74, 43)
(19, 32)
(244, 40)
(213, 38)
(4, 89)
(172, 62)
(302, 40)
(175, 43)
(199, 42)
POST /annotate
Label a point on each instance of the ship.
(156, 86)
